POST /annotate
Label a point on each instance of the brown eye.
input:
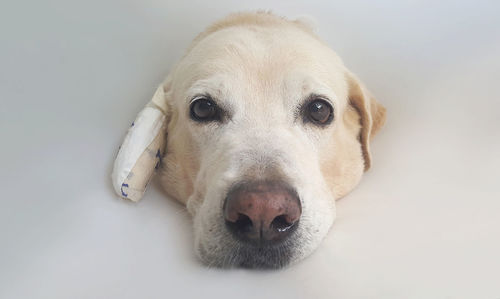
(204, 109)
(319, 111)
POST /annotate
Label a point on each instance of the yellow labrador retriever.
(265, 129)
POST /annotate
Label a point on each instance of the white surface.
(424, 222)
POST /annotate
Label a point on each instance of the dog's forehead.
(263, 62)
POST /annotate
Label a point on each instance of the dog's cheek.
(344, 163)
(211, 240)
(179, 166)
(203, 248)
(194, 203)
(176, 178)
(318, 217)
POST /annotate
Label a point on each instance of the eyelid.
(201, 96)
(315, 96)
(310, 98)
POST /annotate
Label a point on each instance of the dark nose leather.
(262, 213)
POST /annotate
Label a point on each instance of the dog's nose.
(262, 213)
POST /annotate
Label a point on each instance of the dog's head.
(265, 129)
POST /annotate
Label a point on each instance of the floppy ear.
(142, 149)
(372, 114)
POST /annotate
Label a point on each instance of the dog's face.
(266, 129)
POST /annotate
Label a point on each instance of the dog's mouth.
(267, 257)
(242, 255)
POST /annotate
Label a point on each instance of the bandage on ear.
(142, 150)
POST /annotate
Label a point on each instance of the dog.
(265, 129)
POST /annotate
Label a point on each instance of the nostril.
(243, 224)
(281, 224)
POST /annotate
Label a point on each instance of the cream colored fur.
(261, 67)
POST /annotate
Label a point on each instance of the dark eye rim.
(305, 107)
(208, 98)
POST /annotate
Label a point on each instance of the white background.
(423, 223)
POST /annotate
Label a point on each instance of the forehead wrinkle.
(248, 46)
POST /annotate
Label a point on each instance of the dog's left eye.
(319, 112)
(204, 109)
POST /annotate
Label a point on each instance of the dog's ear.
(142, 149)
(372, 114)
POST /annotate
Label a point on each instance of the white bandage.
(142, 150)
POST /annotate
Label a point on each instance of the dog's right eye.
(204, 109)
